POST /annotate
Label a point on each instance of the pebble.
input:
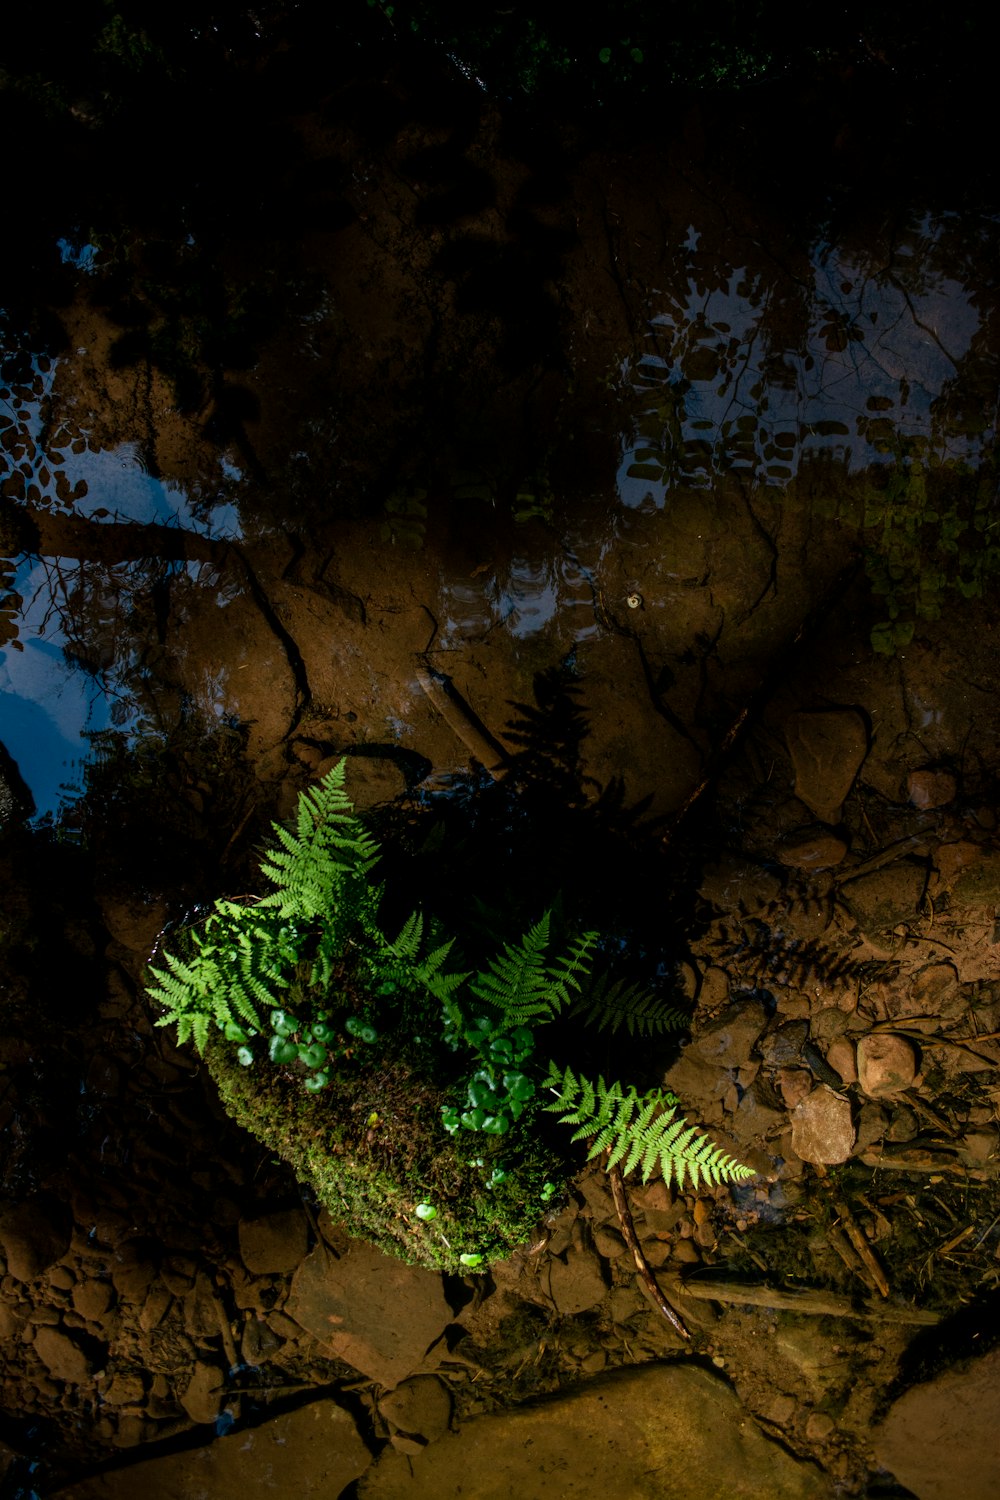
(840, 1056)
(930, 789)
(887, 1064)
(827, 751)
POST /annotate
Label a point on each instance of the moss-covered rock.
(373, 1149)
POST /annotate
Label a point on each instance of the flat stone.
(930, 789)
(418, 1411)
(887, 1064)
(369, 1309)
(822, 1130)
(576, 1283)
(827, 749)
(64, 1360)
(818, 851)
(202, 1397)
(274, 1244)
(939, 1439)
(310, 1454)
(730, 1038)
(883, 899)
(665, 1429)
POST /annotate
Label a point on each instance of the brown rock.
(887, 1064)
(577, 1282)
(939, 1439)
(665, 1429)
(840, 1056)
(818, 851)
(822, 1130)
(827, 750)
(310, 1454)
(952, 861)
(34, 1235)
(202, 1397)
(794, 1084)
(92, 1299)
(63, 1359)
(369, 1309)
(929, 789)
(419, 1410)
(274, 1244)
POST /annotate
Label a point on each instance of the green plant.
(425, 1079)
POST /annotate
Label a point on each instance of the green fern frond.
(612, 1003)
(329, 849)
(407, 945)
(523, 987)
(639, 1130)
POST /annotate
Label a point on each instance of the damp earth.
(621, 508)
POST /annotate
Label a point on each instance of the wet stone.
(274, 1244)
(91, 1299)
(577, 1282)
(887, 1064)
(202, 1396)
(840, 1056)
(369, 1309)
(607, 1438)
(817, 851)
(930, 789)
(827, 751)
(418, 1409)
(64, 1359)
(313, 1453)
(33, 1235)
(939, 1439)
(822, 1130)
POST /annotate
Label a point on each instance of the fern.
(520, 984)
(639, 1130)
(328, 849)
(612, 1003)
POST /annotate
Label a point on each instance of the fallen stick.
(462, 722)
(641, 1263)
(813, 1304)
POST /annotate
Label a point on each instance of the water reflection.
(749, 373)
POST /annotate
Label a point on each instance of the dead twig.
(641, 1263)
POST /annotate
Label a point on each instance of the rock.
(91, 1299)
(370, 779)
(309, 1454)
(259, 1342)
(840, 1056)
(609, 1437)
(274, 1244)
(794, 1084)
(730, 1038)
(817, 851)
(827, 749)
(939, 1439)
(953, 860)
(64, 1360)
(883, 899)
(609, 1243)
(929, 789)
(202, 1397)
(822, 1130)
(936, 989)
(887, 1064)
(369, 1309)
(418, 1412)
(34, 1235)
(577, 1282)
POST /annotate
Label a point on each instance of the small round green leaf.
(426, 1211)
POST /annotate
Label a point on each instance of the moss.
(371, 1148)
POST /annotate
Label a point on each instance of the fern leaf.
(407, 945)
(638, 1130)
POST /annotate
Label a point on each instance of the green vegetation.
(408, 1093)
